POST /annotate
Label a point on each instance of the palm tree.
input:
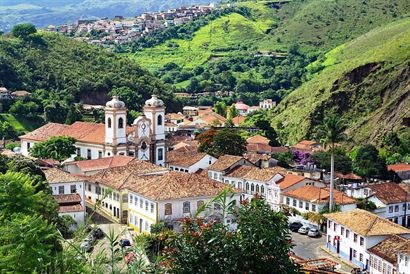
(331, 132)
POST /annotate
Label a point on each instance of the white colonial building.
(172, 196)
(350, 234)
(68, 191)
(145, 139)
(188, 159)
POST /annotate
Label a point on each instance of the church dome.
(154, 102)
(115, 103)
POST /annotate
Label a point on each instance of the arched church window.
(144, 146)
(159, 122)
(121, 123)
(109, 122)
(160, 154)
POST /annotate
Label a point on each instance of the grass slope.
(364, 80)
(21, 124)
(315, 25)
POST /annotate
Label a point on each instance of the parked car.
(125, 242)
(314, 232)
(295, 226)
(86, 246)
(303, 230)
(90, 238)
(98, 233)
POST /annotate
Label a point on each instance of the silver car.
(303, 230)
(313, 232)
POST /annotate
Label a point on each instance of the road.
(311, 248)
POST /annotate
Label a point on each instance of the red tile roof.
(389, 193)
(258, 139)
(350, 176)
(55, 176)
(238, 120)
(290, 180)
(390, 247)
(70, 208)
(399, 167)
(319, 195)
(103, 163)
(67, 198)
(224, 162)
(184, 157)
(82, 131)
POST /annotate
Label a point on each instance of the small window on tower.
(120, 123)
(109, 122)
(159, 120)
(160, 154)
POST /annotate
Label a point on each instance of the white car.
(303, 230)
(313, 232)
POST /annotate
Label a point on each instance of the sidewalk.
(346, 266)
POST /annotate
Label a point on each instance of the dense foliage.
(218, 143)
(343, 163)
(58, 148)
(367, 162)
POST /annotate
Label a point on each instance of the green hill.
(315, 25)
(366, 81)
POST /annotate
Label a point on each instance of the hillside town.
(151, 171)
(119, 30)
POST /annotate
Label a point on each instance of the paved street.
(311, 248)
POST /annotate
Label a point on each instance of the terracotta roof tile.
(55, 175)
(319, 195)
(255, 157)
(258, 139)
(390, 247)
(239, 171)
(350, 176)
(238, 120)
(224, 162)
(81, 131)
(290, 180)
(103, 163)
(399, 167)
(71, 208)
(175, 185)
(264, 174)
(67, 198)
(174, 116)
(184, 156)
(117, 177)
(389, 193)
(366, 223)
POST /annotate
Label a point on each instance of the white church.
(145, 139)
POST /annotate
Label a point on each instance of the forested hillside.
(366, 81)
(262, 50)
(59, 68)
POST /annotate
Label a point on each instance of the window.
(61, 190)
(247, 186)
(347, 233)
(257, 188)
(313, 207)
(28, 146)
(390, 209)
(99, 154)
(89, 154)
(187, 207)
(404, 207)
(287, 200)
(141, 203)
(136, 201)
(120, 122)
(89, 187)
(334, 226)
(160, 154)
(306, 205)
(354, 253)
(361, 257)
(146, 205)
(98, 190)
(152, 208)
(199, 204)
(342, 230)
(361, 241)
(73, 189)
(109, 122)
(294, 202)
(396, 208)
(159, 120)
(168, 209)
(240, 185)
(131, 198)
(300, 204)
(330, 224)
(78, 151)
(252, 187)
(355, 237)
(262, 189)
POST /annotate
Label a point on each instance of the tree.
(25, 109)
(220, 108)
(343, 163)
(205, 140)
(55, 112)
(330, 132)
(23, 31)
(58, 148)
(367, 162)
(227, 142)
(26, 166)
(131, 98)
(7, 131)
(73, 115)
(28, 244)
(259, 245)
